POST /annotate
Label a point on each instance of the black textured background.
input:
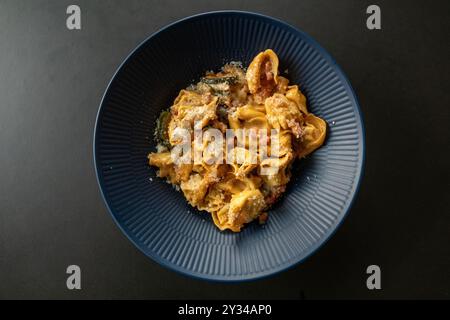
(51, 211)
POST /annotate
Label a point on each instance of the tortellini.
(244, 182)
(243, 207)
(262, 73)
(283, 113)
(314, 135)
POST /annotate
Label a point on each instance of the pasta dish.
(229, 141)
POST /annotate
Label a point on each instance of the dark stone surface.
(51, 211)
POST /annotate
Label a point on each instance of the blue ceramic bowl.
(156, 218)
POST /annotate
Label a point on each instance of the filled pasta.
(236, 109)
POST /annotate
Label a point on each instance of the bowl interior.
(156, 217)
